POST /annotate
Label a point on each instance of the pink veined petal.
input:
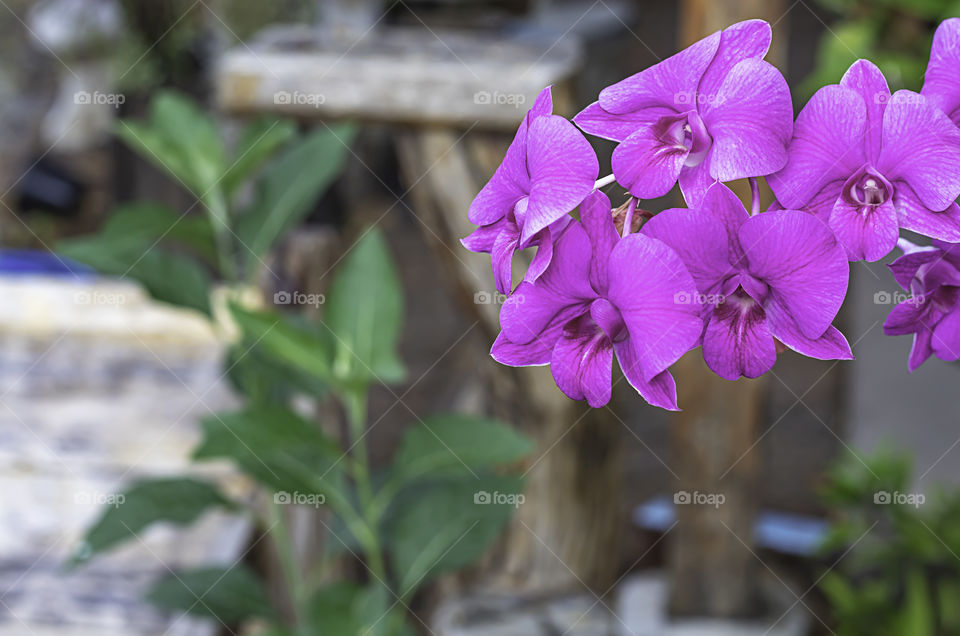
(945, 339)
(661, 328)
(501, 258)
(799, 258)
(481, 240)
(647, 166)
(541, 260)
(866, 234)
(740, 41)
(921, 146)
(543, 105)
(660, 391)
(941, 82)
(696, 180)
(751, 123)
(562, 291)
(563, 169)
(596, 121)
(722, 204)
(597, 220)
(865, 78)
(905, 318)
(904, 269)
(921, 349)
(913, 215)
(827, 146)
(737, 341)
(821, 205)
(497, 198)
(582, 364)
(830, 346)
(699, 240)
(537, 352)
(672, 82)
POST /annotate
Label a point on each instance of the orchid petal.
(563, 168)
(826, 146)
(865, 233)
(662, 329)
(941, 83)
(799, 258)
(740, 41)
(647, 166)
(672, 82)
(922, 147)
(913, 215)
(661, 390)
(582, 363)
(866, 80)
(737, 341)
(751, 123)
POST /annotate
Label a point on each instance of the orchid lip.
(867, 189)
(684, 133)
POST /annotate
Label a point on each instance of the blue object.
(798, 535)
(40, 262)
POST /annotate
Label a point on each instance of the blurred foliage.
(896, 568)
(413, 520)
(894, 34)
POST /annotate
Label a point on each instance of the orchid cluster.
(857, 166)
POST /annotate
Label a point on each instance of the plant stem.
(280, 534)
(755, 196)
(356, 403)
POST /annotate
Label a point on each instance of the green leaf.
(278, 448)
(180, 139)
(229, 595)
(364, 312)
(290, 186)
(178, 500)
(917, 618)
(262, 378)
(257, 143)
(167, 276)
(448, 525)
(141, 225)
(457, 444)
(298, 345)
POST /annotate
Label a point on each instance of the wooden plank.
(398, 74)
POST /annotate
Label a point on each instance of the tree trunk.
(712, 562)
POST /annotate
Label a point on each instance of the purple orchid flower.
(777, 275)
(548, 170)
(603, 295)
(869, 163)
(941, 84)
(932, 313)
(713, 112)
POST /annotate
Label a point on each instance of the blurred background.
(200, 199)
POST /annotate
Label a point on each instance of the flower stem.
(628, 217)
(607, 180)
(755, 196)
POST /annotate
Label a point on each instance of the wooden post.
(713, 568)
